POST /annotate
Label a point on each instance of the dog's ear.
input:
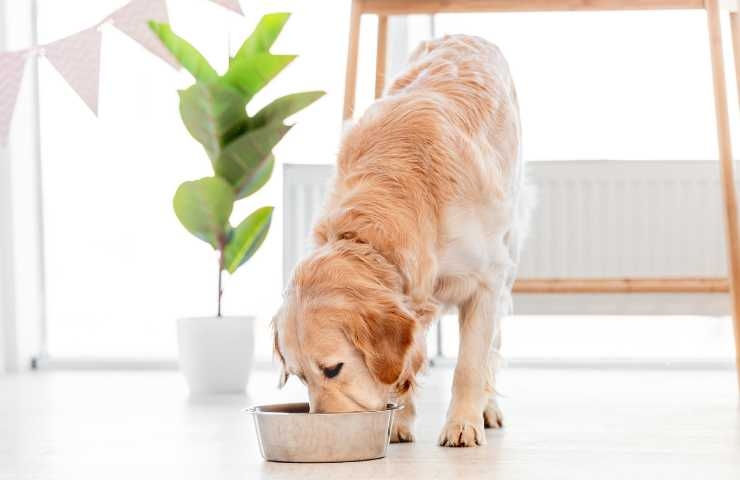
(384, 338)
(283, 379)
(276, 350)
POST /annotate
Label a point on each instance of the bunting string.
(77, 57)
(232, 5)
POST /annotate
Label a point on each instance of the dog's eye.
(331, 372)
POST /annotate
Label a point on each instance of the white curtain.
(20, 298)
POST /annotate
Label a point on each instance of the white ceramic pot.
(216, 354)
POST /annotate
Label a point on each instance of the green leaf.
(283, 107)
(250, 73)
(213, 114)
(246, 162)
(253, 66)
(260, 177)
(186, 54)
(204, 206)
(264, 34)
(247, 238)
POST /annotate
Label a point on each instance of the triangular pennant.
(132, 20)
(77, 59)
(231, 5)
(11, 66)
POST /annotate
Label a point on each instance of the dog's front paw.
(492, 415)
(401, 432)
(462, 433)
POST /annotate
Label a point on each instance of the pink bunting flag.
(132, 20)
(232, 5)
(77, 59)
(12, 65)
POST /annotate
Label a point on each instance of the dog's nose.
(314, 402)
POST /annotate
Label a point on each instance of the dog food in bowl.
(289, 433)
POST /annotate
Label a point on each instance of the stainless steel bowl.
(288, 433)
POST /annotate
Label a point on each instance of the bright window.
(120, 268)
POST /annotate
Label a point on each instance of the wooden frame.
(385, 8)
(410, 7)
(735, 30)
(622, 285)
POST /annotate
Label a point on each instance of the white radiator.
(592, 219)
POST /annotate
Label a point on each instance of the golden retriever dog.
(426, 212)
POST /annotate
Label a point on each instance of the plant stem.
(220, 290)
(220, 277)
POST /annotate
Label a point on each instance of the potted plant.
(215, 353)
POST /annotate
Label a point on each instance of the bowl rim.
(254, 410)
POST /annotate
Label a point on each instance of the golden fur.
(426, 211)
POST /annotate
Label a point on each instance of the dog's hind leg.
(492, 415)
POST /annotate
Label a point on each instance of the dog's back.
(472, 76)
(453, 111)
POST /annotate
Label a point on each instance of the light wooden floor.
(568, 424)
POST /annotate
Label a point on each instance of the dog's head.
(344, 330)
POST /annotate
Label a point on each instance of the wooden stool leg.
(726, 167)
(381, 55)
(350, 82)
